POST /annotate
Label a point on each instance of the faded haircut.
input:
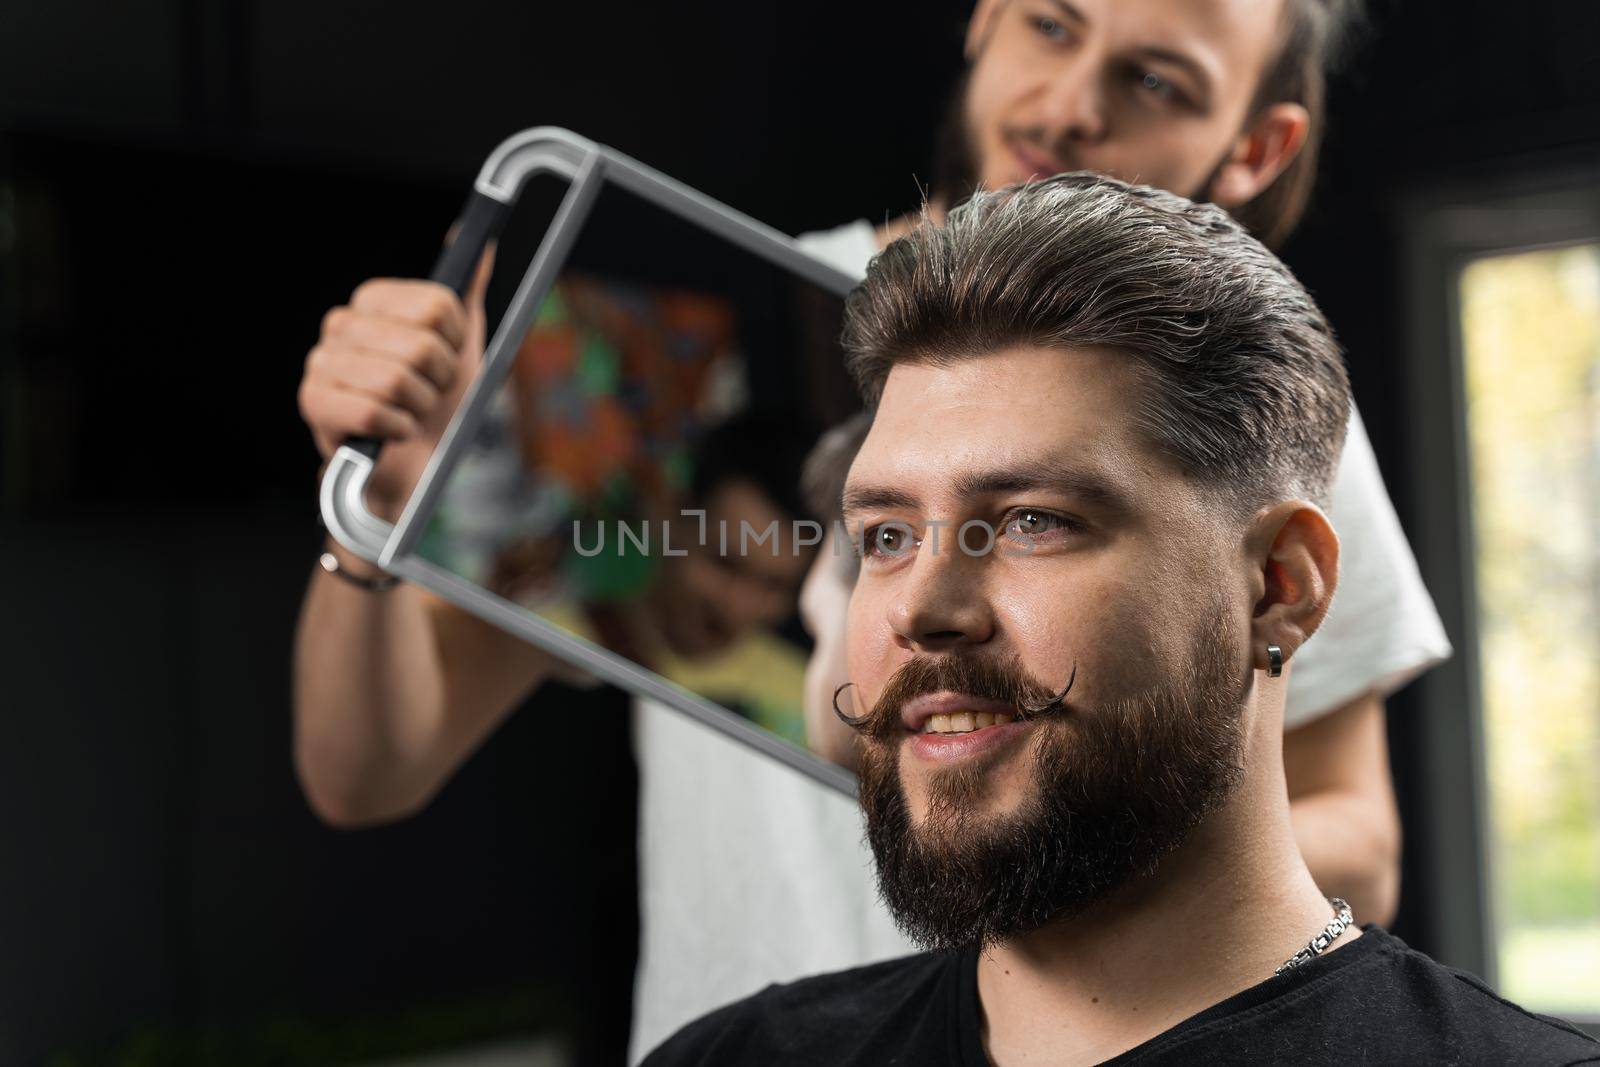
(1244, 386)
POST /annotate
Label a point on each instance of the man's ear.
(981, 26)
(1263, 151)
(1299, 557)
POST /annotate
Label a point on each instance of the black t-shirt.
(1373, 1002)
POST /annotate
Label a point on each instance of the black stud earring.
(1274, 661)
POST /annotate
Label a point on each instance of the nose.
(940, 603)
(1073, 109)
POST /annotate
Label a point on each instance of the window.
(1529, 345)
(1502, 298)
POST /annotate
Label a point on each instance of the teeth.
(962, 722)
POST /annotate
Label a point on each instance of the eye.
(887, 540)
(1050, 27)
(1028, 524)
(1157, 86)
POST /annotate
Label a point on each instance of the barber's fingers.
(334, 413)
(418, 348)
(479, 285)
(381, 377)
(349, 391)
(481, 275)
(392, 363)
(429, 305)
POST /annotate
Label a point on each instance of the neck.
(1219, 916)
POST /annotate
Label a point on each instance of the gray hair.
(1245, 385)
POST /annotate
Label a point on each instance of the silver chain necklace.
(1330, 933)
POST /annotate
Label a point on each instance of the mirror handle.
(480, 222)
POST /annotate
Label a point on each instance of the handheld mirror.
(619, 482)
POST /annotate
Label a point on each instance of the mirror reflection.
(636, 476)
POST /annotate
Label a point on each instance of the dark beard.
(1115, 789)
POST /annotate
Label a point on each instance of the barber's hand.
(393, 364)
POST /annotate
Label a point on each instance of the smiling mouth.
(1041, 164)
(964, 722)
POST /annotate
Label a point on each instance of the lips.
(1036, 164)
(990, 741)
(916, 712)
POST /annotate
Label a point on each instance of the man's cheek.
(1105, 634)
(863, 646)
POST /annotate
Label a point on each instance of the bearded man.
(1091, 514)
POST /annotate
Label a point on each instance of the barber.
(1220, 100)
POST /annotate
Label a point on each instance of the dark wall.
(185, 187)
(165, 885)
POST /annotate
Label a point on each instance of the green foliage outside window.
(1531, 341)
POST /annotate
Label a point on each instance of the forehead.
(1025, 405)
(1231, 38)
(1207, 20)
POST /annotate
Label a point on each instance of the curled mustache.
(1005, 682)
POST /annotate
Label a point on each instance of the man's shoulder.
(1393, 1004)
(815, 1019)
(1484, 1026)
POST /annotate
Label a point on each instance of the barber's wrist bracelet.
(381, 583)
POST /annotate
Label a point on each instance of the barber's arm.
(393, 689)
(1341, 799)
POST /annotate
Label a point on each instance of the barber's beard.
(1114, 789)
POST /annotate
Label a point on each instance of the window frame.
(1442, 230)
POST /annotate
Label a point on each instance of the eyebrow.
(1088, 486)
(1159, 54)
(1071, 12)
(1035, 475)
(877, 498)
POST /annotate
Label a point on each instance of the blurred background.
(186, 186)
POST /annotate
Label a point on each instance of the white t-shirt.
(751, 874)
